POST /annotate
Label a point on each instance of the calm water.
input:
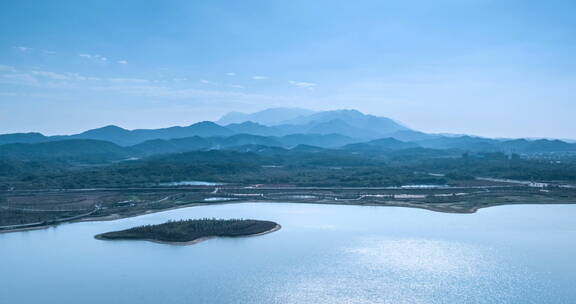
(323, 254)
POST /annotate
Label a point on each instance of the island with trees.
(185, 232)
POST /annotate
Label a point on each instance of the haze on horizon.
(488, 68)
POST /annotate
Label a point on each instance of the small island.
(186, 232)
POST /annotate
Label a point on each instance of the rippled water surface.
(323, 254)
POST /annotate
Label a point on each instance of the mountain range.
(350, 123)
(285, 128)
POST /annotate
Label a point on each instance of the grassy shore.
(40, 209)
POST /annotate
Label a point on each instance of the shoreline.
(434, 207)
(114, 216)
(192, 242)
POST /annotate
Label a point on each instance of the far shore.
(116, 216)
(462, 207)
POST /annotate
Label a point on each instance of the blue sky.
(500, 68)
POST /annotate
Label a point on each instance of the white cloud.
(18, 78)
(122, 62)
(303, 84)
(167, 90)
(50, 75)
(23, 49)
(259, 77)
(129, 80)
(60, 76)
(64, 85)
(57, 76)
(7, 68)
(167, 94)
(231, 74)
(93, 57)
(204, 81)
(25, 94)
(41, 78)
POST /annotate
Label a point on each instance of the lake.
(322, 254)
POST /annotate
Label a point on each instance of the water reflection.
(381, 270)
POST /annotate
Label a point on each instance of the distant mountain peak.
(112, 127)
(245, 124)
(271, 116)
(205, 123)
(31, 137)
(108, 128)
(250, 127)
(356, 122)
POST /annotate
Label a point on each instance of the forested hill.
(98, 150)
(256, 164)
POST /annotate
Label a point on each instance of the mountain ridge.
(350, 123)
(264, 117)
(90, 150)
(326, 129)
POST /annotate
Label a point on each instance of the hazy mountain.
(349, 123)
(259, 149)
(271, 116)
(308, 149)
(478, 144)
(249, 127)
(74, 148)
(410, 135)
(338, 126)
(126, 137)
(286, 121)
(469, 143)
(163, 146)
(292, 121)
(177, 145)
(247, 139)
(536, 146)
(279, 127)
(111, 133)
(356, 119)
(324, 141)
(89, 150)
(202, 129)
(381, 144)
(22, 138)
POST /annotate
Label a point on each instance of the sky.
(502, 68)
